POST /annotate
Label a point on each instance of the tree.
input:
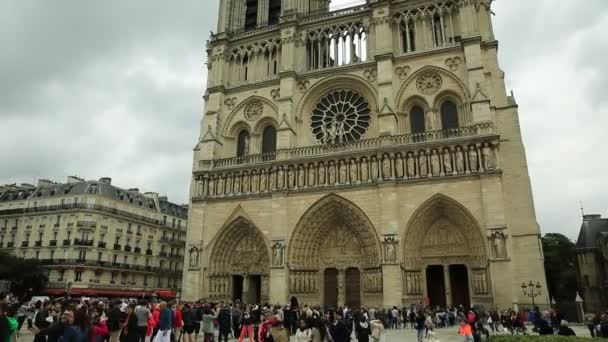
(27, 276)
(560, 266)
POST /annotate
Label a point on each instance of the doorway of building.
(459, 280)
(435, 285)
(237, 288)
(353, 287)
(330, 287)
(254, 290)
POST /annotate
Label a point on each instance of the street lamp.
(531, 290)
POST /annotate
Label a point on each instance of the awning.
(165, 293)
(99, 292)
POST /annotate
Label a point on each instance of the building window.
(78, 276)
(173, 223)
(138, 229)
(164, 220)
(269, 140)
(449, 115)
(37, 255)
(102, 237)
(61, 275)
(125, 259)
(114, 258)
(69, 232)
(417, 120)
(99, 255)
(274, 12)
(251, 14)
(179, 223)
(55, 236)
(82, 255)
(242, 147)
(27, 237)
(117, 240)
(52, 255)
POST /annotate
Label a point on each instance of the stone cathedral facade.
(362, 156)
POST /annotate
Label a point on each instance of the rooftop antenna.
(582, 209)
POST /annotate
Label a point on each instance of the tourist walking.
(209, 316)
(143, 314)
(466, 331)
(165, 321)
(130, 328)
(188, 327)
(337, 328)
(78, 328)
(303, 334)
(420, 321)
(113, 322)
(224, 322)
(363, 329)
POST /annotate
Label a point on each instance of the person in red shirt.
(178, 322)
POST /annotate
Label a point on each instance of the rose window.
(429, 83)
(254, 110)
(340, 117)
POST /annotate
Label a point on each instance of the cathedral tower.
(361, 156)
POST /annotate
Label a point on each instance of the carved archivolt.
(252, 109)
(239, 249)
(334, 233)
(442, 231)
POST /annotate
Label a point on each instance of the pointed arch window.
(242, 148)
(449, 115)
(269, 140)
(417, 120)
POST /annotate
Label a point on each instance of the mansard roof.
(593, 226)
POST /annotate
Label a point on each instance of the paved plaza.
(444, 335)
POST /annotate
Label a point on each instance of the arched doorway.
(444, 249)
(334, 246)
(239, 264)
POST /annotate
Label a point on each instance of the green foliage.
(546, 338)
(26, 275)
(560, 266)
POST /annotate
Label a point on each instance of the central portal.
(336, 244)
(435, 286)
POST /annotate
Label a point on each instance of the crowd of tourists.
(143, 321)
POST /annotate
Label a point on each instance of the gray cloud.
(114, 88)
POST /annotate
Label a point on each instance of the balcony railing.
(482, 129)
(101, 245)
(25, 244)
(10, 244)
(52, 243)
(86, 224)
(137, 250)
(37, 243)
(163, 254)
(127, 248)
(117, 247)
(81, 242)
(148, 252)
(67, 242)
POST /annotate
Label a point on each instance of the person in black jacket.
(4, 328)
(564, 329)
(363, 329)
(41, 321)
(224, 321)
(53, 332)
(337, 328)
(114, 322)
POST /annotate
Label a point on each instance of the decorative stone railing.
(426, 156)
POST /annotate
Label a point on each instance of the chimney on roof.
(106, 180)
(74, 179)
(592, 217)
(45, 182)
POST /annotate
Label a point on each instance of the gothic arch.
(442, 229)
(333, 232)
(239, 248)
(450, 82)
(329, 84)
(236, 115)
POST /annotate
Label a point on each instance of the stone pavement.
(400, 335)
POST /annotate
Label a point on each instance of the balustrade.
(253, 62)
(335, 45)
(402, 158)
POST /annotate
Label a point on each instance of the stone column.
(448, 285)
(246, 298)
(341, 287)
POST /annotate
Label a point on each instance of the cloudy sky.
(113, 88)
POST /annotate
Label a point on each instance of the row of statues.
(219, 286)
(372, 281)
(304, 282)
(458, 160)
(480, 282)
(413, 283)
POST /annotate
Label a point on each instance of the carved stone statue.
(343, 173)
(312, 175)
(374, 169)
(332, 174)
(301, 175)
(278, 254)
(459, 156)
(499, 244)
(245, 183)
(254, 182)
(447, 162)
(321, 174)
(220, 185)
(263, 181)
(211, 187)
(411, 166)
(229, 184)
(473, 159)
(271, 180)
(399, 166)
(281, 179)
(386, 167)
(237, 183)
(390, 249)
(435, 164)
(245, 145)
(194, 256)
(291, 177)
(486, 152)
(353, 172)
(422, 162)
(364, 171)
